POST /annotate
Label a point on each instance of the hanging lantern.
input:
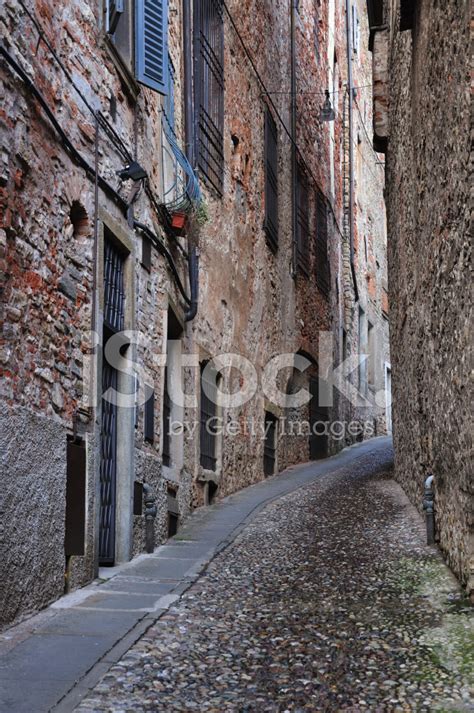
(327, 112)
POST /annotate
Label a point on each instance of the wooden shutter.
(151, 44)
(271, 180)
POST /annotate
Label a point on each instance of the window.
(371, 357)
(118, 25)
(168, 107)
(208, 440)
(362, 354)
(150, 20)
(355, 30)
(302, 221)
(269, 446)
(172, 440)
(209, 89)
(323, 279)
(271, 180)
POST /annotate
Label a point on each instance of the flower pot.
(178, 222)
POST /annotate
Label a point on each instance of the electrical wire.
(343, 89)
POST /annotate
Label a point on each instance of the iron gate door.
(114, 301)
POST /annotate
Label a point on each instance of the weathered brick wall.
(429, 256)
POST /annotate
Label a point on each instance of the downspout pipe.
(294, 194)
(189, 139)
(193, 263)
(350, 89)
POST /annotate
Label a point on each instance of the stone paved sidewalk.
(328, 600)
(52, 660)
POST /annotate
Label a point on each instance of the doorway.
(114, 311)
(318, 417)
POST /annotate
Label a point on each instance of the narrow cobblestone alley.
(329, 600)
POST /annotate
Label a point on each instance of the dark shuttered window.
(271, 180)
(323, 278)
(151, 44)
(209, 89)
(302, 221)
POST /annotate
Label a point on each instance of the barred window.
(271, 180)
(209, 89)
(302, 221)
(323, 277)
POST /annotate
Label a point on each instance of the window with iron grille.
(271, 180)
(323, 277)
(209, 89)
(302, 221)
(208, 435)
(269, 446)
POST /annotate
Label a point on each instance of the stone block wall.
(429, 255)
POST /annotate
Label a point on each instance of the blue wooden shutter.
(151, 44)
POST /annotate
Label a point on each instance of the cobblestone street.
(329, 600)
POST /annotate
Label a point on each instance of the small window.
(271, 180)
(269, 447)
(119, 27)
(302, 221)
(209, 89)
(323, 278)
(208, 435)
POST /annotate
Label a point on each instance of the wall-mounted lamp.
(327, 112)
(133, 171)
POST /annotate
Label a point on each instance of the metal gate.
(114, 301)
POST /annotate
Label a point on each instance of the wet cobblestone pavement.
(328, 601)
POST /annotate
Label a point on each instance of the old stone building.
(171, 193)
(422, 120)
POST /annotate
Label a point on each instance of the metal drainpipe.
(351, 145)
(428, 507)
(150, 514)
(193, 255)
(294, 223)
